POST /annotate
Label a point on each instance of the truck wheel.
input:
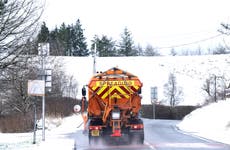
(136, 139)
(92, 141)
(95, 141)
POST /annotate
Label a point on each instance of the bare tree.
(220, 49)
(14, 92)
(172, 92)
(13, 89)
(18, 23)
(225, 28)
(72, 87)
(215, 88)
(173, 52)
(62, 84)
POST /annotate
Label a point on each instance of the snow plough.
(114, 102)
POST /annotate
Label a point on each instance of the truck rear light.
(137, 126)
(95, 127)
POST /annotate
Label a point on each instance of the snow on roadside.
(211, 122)
(14, 141)
(60, 137)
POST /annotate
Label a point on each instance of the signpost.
(48, 79)
(38, 87)
(154, 97)
(43, 51)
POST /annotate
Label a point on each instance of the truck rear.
(114, 102)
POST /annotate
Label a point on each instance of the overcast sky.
(161, 23)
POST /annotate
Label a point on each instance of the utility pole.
(94, 58)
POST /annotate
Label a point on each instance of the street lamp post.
(94, 59)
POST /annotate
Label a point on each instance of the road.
(159, 135)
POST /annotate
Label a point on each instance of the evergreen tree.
(78, 41)
(126, 46)
(64, 38)
(56, 46)
(68, 40)
(151, 51)
(140, 51)
(105, 46)
(43, 36)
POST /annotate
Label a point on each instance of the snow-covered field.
(211, 121)
(191, 72)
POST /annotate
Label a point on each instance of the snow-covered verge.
(55, 137)
(211, 122)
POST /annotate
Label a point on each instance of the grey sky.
(161, 23)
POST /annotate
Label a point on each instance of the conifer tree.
(151, 51)
(105, 46)
(78, 41)
(64, 37)
(43, 35)
(56, 45)
(126, 46)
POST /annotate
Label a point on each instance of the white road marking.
(149, 145)
(183, 145)
(188, 145)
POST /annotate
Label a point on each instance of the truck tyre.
(92, 141)
(136, 139)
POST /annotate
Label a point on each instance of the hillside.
(191, 72)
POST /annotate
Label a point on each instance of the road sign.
(36, 87)
(43, 49)
(154, 94)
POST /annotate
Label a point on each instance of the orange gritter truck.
(114, 102)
